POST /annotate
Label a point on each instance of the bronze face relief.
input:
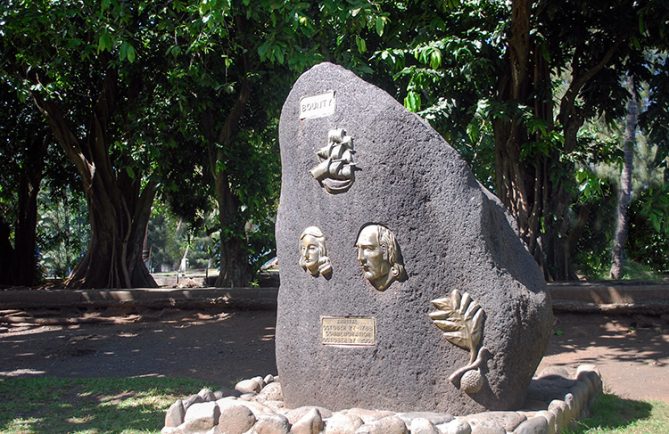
(380, 257)
(313, 253)
(336, 170)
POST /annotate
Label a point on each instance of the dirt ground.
(223, 347)
(631, 352)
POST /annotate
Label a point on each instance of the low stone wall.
(556, 398)
(619, 297)
(615, 297)
(155, 298)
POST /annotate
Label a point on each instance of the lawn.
(612, 414)
(94, 405)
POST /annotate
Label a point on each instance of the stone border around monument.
(557, 398)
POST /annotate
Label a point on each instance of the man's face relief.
(372, 256)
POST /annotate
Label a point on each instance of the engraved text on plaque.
(348, 331)
(317, 106)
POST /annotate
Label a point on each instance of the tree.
(625, 188)
(22, 154)
(91, 70)
(233, 64)
(63, 230)
(226, 119)
(554, 66)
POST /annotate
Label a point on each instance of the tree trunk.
(25, 238)
(625, 188)
(114, 255)
(234, 268)
(6, 253)
(534, 185)
(118, 206)
(521, 180)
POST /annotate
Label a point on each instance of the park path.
(631, 352)
(219, 348)
(223, 347)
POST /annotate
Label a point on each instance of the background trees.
(554, 67)
(181, 99)
(92, 71)
(24, 139)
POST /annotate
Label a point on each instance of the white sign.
(317, 106)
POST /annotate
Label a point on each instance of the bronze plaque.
(348, 331)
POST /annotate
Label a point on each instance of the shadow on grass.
(96, 405)
(612, 414)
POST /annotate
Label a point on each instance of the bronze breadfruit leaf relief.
(461, 319)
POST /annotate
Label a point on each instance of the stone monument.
(403, 284)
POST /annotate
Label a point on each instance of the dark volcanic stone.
(453, 234)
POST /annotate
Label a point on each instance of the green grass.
(95, 405)
(612, 414)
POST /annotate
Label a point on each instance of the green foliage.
(648, 242)
(166, 240)
(170, 237)
(63, 231)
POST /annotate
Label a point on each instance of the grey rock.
(272, 424)
(584, 378)
(457, 426)
(581, 395)
(452, 233)
(534, 425)
(435, 418)
(560, 410)
(271, 392)
(207, 395)
(552, 427)
(553, 370)
(251, 396)
(201, 416)
(571, 412)
(193, 399)
(507, 420)
(535, 405)
(310, 423)
(420, 425)
(591, 372)
(269, 378)
(175, 414)
(367, 415)
(550, 386)
(258, 409)
(342, 424)
(235, 419)
(218, 395)
(296, 414)
(252, 385)
(487, 429)
(171, 430)
(386, 425)
(588, 367)
(276, 406)
(197, 426)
